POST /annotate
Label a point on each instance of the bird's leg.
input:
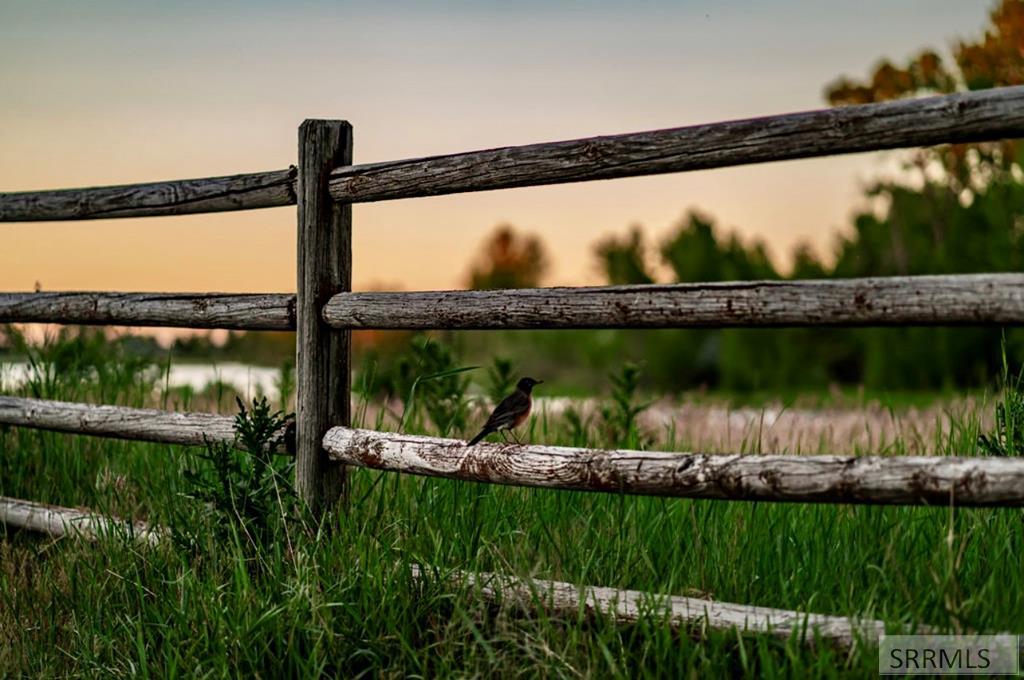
(504, 437)
(516, 437)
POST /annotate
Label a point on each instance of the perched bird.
(511, 412)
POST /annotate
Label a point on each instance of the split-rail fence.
(324, 184)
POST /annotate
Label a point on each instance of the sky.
(118, 92)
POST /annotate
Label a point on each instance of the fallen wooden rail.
(680, 613)
(56, 521)
(121, 422)
(892, 480)
(526, 595)
(185, 310)
(972, 116)
(921, 300)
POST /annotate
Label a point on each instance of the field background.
(342, 602)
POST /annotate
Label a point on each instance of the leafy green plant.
(621, 415)
(243, 483)
(1007, 439)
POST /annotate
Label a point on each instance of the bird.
(511, 412)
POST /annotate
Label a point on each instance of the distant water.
(248, 380)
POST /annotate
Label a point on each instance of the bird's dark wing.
(505, 413)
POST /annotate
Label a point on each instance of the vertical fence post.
(322, 362)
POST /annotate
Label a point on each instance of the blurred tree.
(695, 254)
(509, 259)
(624, 260)
(806, 264)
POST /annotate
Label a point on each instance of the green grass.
(340, 602)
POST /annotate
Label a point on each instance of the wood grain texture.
(176, 197)
(58, 522)
(184, 310)
(920, 300)
(973, 116)
(120, 422)
(687, 614)
(895, 480)
(323, 355)
(527, 595)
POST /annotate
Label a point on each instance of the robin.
(511, 412)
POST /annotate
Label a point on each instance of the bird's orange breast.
(521, 417)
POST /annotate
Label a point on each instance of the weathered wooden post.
(322, 361)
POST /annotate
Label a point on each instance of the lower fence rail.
(120, 422)
(881, 480)
(527, 595)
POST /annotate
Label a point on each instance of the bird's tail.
(483, 433)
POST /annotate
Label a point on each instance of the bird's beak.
(539, 382)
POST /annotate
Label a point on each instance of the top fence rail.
(974, 116)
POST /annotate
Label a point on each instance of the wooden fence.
(324, 184)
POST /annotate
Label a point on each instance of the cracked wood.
(57, 521)
(175, 197)
(121, 422)
(973, 116)
(184, 310)
(955, 299)
(687, 614)
(889, 480)
(323, 355)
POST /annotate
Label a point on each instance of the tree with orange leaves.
(994, 60)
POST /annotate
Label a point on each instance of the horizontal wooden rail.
(953, 299)
(556, 598)
(895, 480)
(186, 310)
(922, 300)
(56, 521)
(120, 422)
(686, 614)
(176, 197)
(972, 116)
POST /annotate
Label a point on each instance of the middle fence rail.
(954, 299)
(920, 300)
(232, 311)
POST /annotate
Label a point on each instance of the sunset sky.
(115, 92)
